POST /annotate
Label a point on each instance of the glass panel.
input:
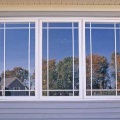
(32, 93)
(75, 24)
(32, 59)
(16, 60)
(58, 62)
(102, 76)
(117, 25)
(104, 92)
(1, 59)
(16, 24)
(60, 24)
(76, 93)
(60, 53)
(88, 93)
(76, 60)
(16, 93)
(88, 62)
(100, 51)
(32, 24)
(59, 93)
(44, 24)
(118, 60)
(102, 25)
(87, 24)
(44, 59)
(1, 25)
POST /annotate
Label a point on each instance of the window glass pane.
(75, 24)
(44, 24)
(16, 93)
(32, 24)
(16, 60)
(102, 25)
(59, 93)
(19, 61)
(60, 53)
(87, 24)
(8, 25)
(44, 59)
(59, 47)
(1, 60)
(60, 24)
(1, 25)
(117, 25)
(32, 59)
(88, 62)
(117, 60)
(100, 61)
(76, 61)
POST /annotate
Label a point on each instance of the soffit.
(59, 2)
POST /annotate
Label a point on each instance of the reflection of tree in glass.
(100, 77)
(65, 73)
(61, 75)
(52, 74)
(18, 72)
(118, 67)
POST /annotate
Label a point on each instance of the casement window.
(59, 58)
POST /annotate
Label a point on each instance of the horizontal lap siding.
(60, 110)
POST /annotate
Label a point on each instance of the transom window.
(59, 58)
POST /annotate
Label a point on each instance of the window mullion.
(29, 58)
(73, 55)
(115, 57)
(81, 60)
(91, 56)
(47, 59)
(4, 56)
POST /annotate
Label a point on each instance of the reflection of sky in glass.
(1, 50)
(60, 40)
(118, 40)
(16, 43)
(103, 42)
(16, 47)
(60, 45)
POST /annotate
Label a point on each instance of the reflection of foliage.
(99, 71)
(52, 73)
(60, 75)
(118, 67)
(65, 76)
(18, 72)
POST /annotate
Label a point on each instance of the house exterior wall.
(87, 110)
(64, 110)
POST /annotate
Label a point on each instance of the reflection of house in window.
(13, 87)
(16, 88)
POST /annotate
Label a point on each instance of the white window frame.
(96, 20)
(38, 59)
(23, 20)
(60, 98)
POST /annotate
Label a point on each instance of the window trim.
(79, 20)
(96, 20)
(38, 59)
(22, 20)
